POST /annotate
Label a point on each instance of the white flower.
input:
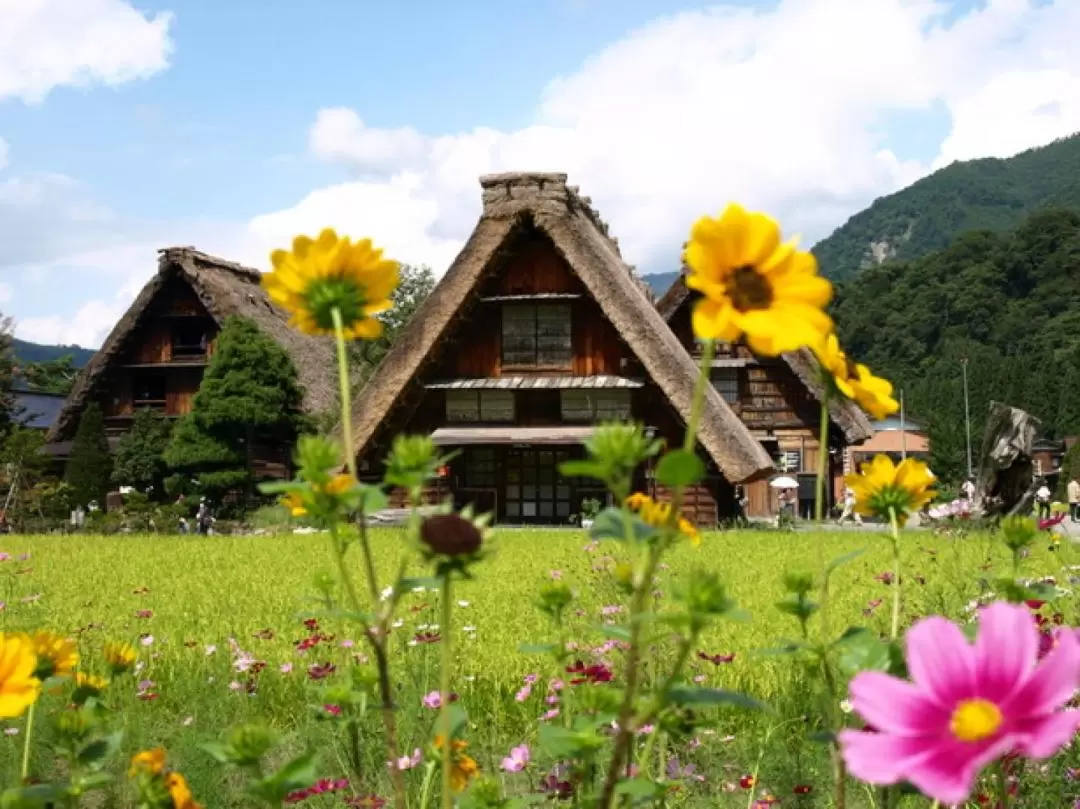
(211, 649)
(469, 628)
(147, 640)
(463, 604)
(846, 706)
(398, 624)
(386, 593)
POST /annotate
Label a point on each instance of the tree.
(249, 395)
(414, 285)
(51, 376)
(89, 467)
(139, 460)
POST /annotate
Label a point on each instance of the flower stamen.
(975, 720)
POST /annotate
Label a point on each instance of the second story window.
(479, 405)
(149, 392)
(595, 405)
(537, 335)
(189, 339)
(726, 381)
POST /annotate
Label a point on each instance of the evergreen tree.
(249, 394)
(139, 460)
(89, 466)
(1069, 400)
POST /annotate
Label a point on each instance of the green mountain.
(989, 194)
(660, 281)
(27, 353)
(1007, 302)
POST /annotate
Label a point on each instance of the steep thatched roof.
(845, 413)
(225, 289)
(581, 237)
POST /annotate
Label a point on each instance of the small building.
(894, 439)
(537, 332)
(38, 410)
(155, 356)
(779, 401)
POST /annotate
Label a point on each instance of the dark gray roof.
(38, 411)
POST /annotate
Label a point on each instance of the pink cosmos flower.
(523, 694)
(432, 700)
(968, 705)
(517, 760)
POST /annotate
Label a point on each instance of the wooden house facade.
(779, 401)
(538, 332)
(156, 355)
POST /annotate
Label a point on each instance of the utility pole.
(967, 414)
(903, 430)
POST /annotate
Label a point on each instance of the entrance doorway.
(535, 491)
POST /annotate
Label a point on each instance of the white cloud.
(776, 108)
(6, 293)
(45, 44)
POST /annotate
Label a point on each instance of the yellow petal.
(714, 321)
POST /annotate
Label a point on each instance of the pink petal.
(880, 758)
(1005, 650)
(948, 772)
(941, 661)
(1043, 737)
(1053, 682)
(894, 706)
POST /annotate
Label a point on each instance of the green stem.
(895, 533)
(708, 350)
(26, 742)
(1003, 786)
(346, 397)
(429, 782)
(823, 457)
(444, 691)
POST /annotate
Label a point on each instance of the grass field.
(181, 600)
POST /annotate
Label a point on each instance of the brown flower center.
(749, 289)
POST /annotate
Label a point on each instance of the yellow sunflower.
(463, 768)
(90, 682)
(56, 655)
(320, 275)
(881, 487)
(658, 515)
(754, 285)
(294, 502)
(119, 657)
(873, 393)
(835, 363)
(18, 685)
(179, 792)
(148, 761)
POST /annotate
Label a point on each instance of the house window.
(596, 405)
(726, 381)
(479, 467)
(537, 335)
(189, 338)
(790, 460)
(479, 405)
(149, 391)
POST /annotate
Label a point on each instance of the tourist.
(1042, 500)
(1074, 499)
(849, 508)
(967, 490)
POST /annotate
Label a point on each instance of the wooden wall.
(181, 385)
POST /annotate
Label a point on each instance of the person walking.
(967, 490)
(1073, 490)
(849, 508)
(1042, 500)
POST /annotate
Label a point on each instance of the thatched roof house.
(160, 346)
(540, 240)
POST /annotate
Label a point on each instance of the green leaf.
(100, 748)
(583, 469)
(92, 781)
(538, 648)
(788, 647)
(689, 695)
(559, 742)
(220, 752)
(822, 736)
(611, 523)
(300, 773)
(614, 631)
(680, 468)
(280, 486)
(840, 561)
(863, 651)
(641, 790)
(372, 499)
(408, 585)
(32, 797)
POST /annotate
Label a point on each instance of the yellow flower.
(19, 688)
(179, 792)
(753, 285)
(463, 768)
(339, 484)
(56, 655)
(658, 515)
(321, 275)
(882, 487)
(148, 761)
(119, 657)
(90, 682)
(835, 363)
(873, 393)
(294, 502)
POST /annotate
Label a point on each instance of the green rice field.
(200, 608)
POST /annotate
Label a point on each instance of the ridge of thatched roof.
(844, 412)
(581, 237)
(224, 288)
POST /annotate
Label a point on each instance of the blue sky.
(232, 125)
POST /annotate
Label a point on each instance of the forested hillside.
(35, 352)
(1009, 302)
(977, 194)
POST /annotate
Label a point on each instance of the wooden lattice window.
(596, 405)
(480, 467)
(790, 460)
(479, 405)
(537, 335)
(728, 383)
